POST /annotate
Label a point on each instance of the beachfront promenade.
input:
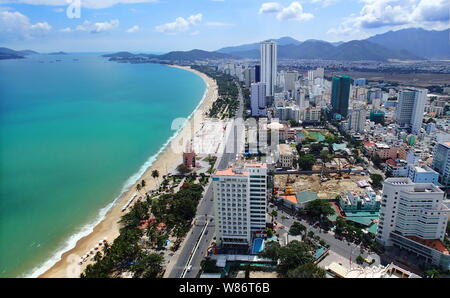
(180, 260)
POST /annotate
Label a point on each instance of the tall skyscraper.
(240, 202)
(410, 108)
(441, 162)
(414, 217)
(269, 66)
(340, 94)
(258, 100)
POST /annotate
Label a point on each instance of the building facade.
(340, 94)
(258, 100)
(441, 162)
(413, 217)
(269, 66)
(410, 109)
(240, 203)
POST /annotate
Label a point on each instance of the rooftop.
(232, 172)
(306, 196)
(286, 149)
(433, 243)
(291, 198)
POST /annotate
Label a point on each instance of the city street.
(342, 248)
(205, 208)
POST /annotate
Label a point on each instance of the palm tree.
(143, 184)
(155, 175)
(274, 214)
(138, 187)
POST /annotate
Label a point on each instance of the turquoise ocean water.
(73, 134)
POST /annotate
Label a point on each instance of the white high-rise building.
(258, 100)
(441, 162)
(269, 66)
(299, 97)
(413, 216)
(240, 202)
(357, 119)
(410, 108)
(290, 77)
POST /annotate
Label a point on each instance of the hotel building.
(240, 203)
(413, 217)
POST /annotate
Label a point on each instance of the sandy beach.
(167, 161)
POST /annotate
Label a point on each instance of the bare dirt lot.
(325, 190)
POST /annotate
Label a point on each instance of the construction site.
(328, 188)
(326, 185)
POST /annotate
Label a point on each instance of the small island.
(58, 53)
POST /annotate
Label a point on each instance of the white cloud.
(94, 4)
(133, 29)
(323, 3)
(218, 24)
(98, 27)
(180, 24)
(66, 30)
(292, 12)
(270, 7)
(42, 27)
(396, 14)
(15, 25)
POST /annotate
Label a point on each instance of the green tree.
(317, 209)
(294, 254)
(271, 250)
(308, 270)
(148, 266)
(377, 180)
(360, 260)
(316, 148)
(274, 214)
(297, 229)
(306, 162)
(155, 175)
(433, 273)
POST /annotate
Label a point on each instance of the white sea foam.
(89, 228)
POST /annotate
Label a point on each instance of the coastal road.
(205, 210)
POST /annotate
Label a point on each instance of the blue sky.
(165, 25)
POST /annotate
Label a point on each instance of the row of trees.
(126, 253)
(134, 249)
(295, 260)
(228, 92)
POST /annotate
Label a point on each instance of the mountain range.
(406, 44)
(6, 53)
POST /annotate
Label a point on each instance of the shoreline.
(106, 223)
